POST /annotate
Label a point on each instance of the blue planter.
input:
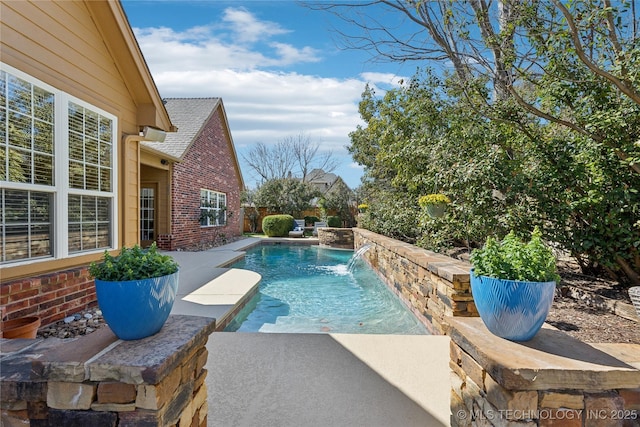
(512, 309)
(137, 309)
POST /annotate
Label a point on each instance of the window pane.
(74, 208)
(104, 236)
(27, 126)
(19, 92)
(16, 242)
(76, 175)
(89, 236)
(105, 154)
(106, 133)
(104, 209)
(90, 145)
(91, 151)
(40, 240)
(3, 88)
(76, 150)
(3, 164)
(19, 165)
(91, 227)
(40, 208)
(16, 206)
(43, 102)
(90, 124)
(43, 137)
(91, 178)
(3, 125)
(105, 179)
(43, 173)
(74, 238)
(88, 209)
(26, 223)
(76, 119)
(20, 130)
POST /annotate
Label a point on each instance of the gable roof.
(190, 115)
(111, 20)
(321, 179)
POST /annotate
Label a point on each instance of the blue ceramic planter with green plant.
(136, 291)
(513, 284)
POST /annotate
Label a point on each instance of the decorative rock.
(79, 324)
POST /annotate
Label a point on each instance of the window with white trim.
(57, 177)
(213, 208)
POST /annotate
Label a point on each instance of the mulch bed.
(588, 323)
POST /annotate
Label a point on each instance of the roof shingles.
(189, 115)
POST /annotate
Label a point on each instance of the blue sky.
(277, 66)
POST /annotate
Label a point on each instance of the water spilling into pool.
(311, 290)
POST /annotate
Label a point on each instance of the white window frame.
(217, 195)
(61, 189)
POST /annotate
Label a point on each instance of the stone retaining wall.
(434, 286)
(100, 381)
(552, 380)
(341, 238)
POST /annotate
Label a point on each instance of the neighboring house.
(321, 180)
(206, 182)
(76, 100)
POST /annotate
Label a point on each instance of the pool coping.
(208, 287)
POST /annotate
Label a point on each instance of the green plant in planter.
(512, 259)
(513, 284)
(133, 263)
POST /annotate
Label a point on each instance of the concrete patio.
(308, 379)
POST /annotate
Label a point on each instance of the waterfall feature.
(356, 256)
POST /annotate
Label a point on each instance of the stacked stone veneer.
(434, 286)
(552, 380)
(52, 297)
(101, 381)
(341, 238)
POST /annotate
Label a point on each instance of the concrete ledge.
(221, 297)
(551, 360)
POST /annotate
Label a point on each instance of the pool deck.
(305, 380)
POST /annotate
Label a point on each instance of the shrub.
(311, 220)
(512, 259)
(334, 221)
(133, 264)
(277, 225)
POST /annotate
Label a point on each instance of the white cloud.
(248, 28)
(261, 105)
(386, 79)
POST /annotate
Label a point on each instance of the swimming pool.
(309, 289)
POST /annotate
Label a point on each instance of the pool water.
(309, 289)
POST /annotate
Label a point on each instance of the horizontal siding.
(58, 43)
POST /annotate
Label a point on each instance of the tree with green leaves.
(286, 196)
(539, 119)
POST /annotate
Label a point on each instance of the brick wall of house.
(52, 297)
(208, 164)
